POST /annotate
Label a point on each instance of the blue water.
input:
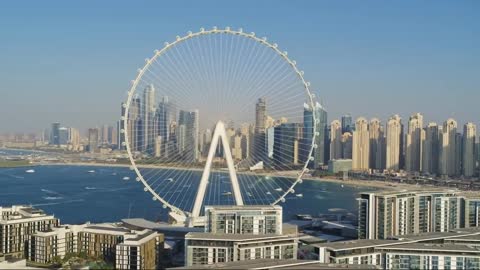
(75, 195)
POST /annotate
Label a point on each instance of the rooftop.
(278, 264)
(235, 237)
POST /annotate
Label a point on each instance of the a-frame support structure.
(219, 133)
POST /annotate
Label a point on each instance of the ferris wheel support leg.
(219, 133)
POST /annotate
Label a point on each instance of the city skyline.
(378, 58)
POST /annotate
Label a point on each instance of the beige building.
(361, 146)
(415, 138)
(448, 136)
(45, 246)
(336, 140)
(17, 224)
(393, 138)
(377, 145)
(139, 250)
(469, 159)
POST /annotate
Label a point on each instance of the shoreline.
(286, 174)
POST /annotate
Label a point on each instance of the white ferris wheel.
(219, 117)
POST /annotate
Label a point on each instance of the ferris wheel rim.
(190, 35)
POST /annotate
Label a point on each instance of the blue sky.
(72, 61)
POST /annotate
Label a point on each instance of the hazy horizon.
(72, 62)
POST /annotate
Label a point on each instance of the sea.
(77, 194)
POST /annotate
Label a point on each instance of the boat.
(90, 188)
(249, 194)
(304, 217)
(342, 185)
(91, 171)
(30, 171)
(299, 195)
(126, 178)
(278, 189)
(170, 179)
(227, 193)
(268, 193)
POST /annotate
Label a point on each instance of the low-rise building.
(17, 224)
(339, 165)
(45, 246)
(456, 249)
(139, 250)
(238, 233)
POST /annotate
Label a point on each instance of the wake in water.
(57, 203)
(48, 191)
(52, 198)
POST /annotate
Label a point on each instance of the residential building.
(361, 146)
(392, 213)
(239, 233)
(336, 140)
(377, 145)
(393, 143)
(17, 224)
(448, 136)
(469, 160)
(430, 149)
(415, 138)
(457, 249)
(139, 250)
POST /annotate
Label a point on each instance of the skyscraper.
(259, 148)
(347, 123)
(55, 134)
(469, 160)
(377, 144)
(63, 135)
(134, 125)
(164, 117)
(74, 138)
(415, 138)
(347, 145)
(361, 146)
(335, 140)
(120, 127)
(93, 139)
(308, 130)
(188, 133)
(447, 162)
(393, 143)
(285, 137)
(430, 149)
(148, 112)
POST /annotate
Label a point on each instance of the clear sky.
(72, 61)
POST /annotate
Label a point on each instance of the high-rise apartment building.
(148, 111)
(285, 144)
(347, 123)
(93, 139)
(393, 143)
(415, 138)
(430, 149)
(188, 133)
(469, 160)
(361, 146)
(336, 140)
(448, 137)
(393, 213)
(55, 134)
(377, 145)
(308, 132)
(347, 145)
(259, 151)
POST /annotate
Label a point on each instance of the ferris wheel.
(219, 117)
